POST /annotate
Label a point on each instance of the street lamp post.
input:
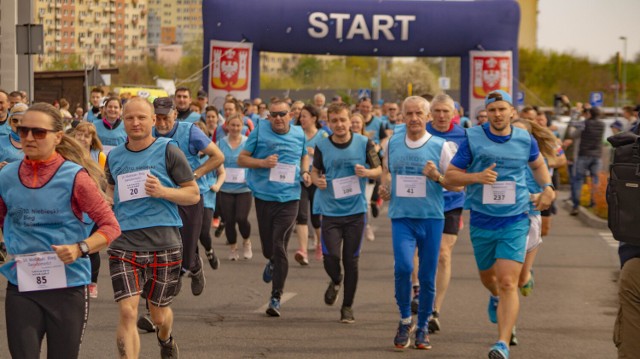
(624, 70)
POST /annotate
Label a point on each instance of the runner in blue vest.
(148, 178)
(491, 164)
(191, 140)
(10, 145)
(5, 129)
(276, 155)
(93, 113)
(341, 165)
(110, 129)
(412, 180)
(442, 110)
(182, 98)
(42, 201)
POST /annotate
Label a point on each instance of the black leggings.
(234, 208)
(190, 232)
(342, 238)
(306, 206)
(275, 224)
(205, 232)
(95, 260)
(60, 314)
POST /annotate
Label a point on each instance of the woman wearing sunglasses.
(10, 146)
(41, 215)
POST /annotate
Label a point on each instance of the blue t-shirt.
(463, 159)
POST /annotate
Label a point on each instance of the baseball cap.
(498, 95)
(202, 94)
(163, 105)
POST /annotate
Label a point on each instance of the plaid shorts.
(154, 275)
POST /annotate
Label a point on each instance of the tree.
(417, 73)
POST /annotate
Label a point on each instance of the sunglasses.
(15, 120)
(276, 114)
(37, 132)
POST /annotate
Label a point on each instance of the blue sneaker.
(267, 275)
(422, 339)
(403, 335)
(493, 308)
(274, 307)
(499, 350)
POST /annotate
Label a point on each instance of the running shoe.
(375, 210)
(331, 294)
(422, 340)
(267, 274)
(368, 233)
(93, 290)
(514, 339)
(168, 350)
(574, 212)
(274, 307)
(415, 301)
(313, 244)
(233, 255)
(247, 253)
(403, 335)
(499, 351)
(301, 258)
(146, 324)
(214, 262)
(527, 288)
(434, 322)
(219, 230)
(216, 222)
(346, 315)
(492, 309)
(198, 280)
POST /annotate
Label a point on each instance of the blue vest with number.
(37, 218)
(373, 129)
(457, 135)
(406, 161)
(339, 163)
(8, 152)
(231, 161)
(111, 138)
(511, 159)
(182, 136)
(289, 147)
(143, 212)
(311, 143)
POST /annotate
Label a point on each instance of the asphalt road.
(569, 315)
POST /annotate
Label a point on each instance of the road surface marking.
(285, 297)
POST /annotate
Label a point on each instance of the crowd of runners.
(149, 179)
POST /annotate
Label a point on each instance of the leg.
(127, 337)
(25, 324)
(332, 233)
(428, 242)
(205, 229)
(443, 276)
(190, 232)
(65, 324)
(283, 221)
(525, 274)
(507, 272)
(302, 229)
(352, 243)
(579, 180)
(163, 319)
(628, 322)
(265, 227)
(228, 212)
(404, 247)
(243, 207)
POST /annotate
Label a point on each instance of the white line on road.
(608, 237)
(285, 297)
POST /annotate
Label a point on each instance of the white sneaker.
(368, 233)
(246, 249)
(233, 255)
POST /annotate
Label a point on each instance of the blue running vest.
(457, 135)
(110, 138)
(231, 162)
(8, 152)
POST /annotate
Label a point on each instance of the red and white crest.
(490, 73)
(230, 68)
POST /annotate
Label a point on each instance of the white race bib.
(502, 192)
(131, 185)
(346, 187)
(283, 173)
(40, 271)
(235, 175)
(411, 186)
(106, 149)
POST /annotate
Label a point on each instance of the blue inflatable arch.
(365, 28)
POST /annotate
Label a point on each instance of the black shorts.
(452, 221)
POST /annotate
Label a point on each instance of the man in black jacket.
(589, 153)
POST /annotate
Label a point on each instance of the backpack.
(623, 188)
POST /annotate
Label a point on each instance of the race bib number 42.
(131, 185)
(502, 192)
(40, 271)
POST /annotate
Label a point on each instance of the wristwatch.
(548, 185)
(440, 179)
(84, 249)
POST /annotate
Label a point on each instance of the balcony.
(112, 30)
(111, 9)
(58, 5)
(58, 38)
(143, 12)
(112, 19)
(96, 40)
(112, 41)
(58, 16)
(135, 21)
(134, 42)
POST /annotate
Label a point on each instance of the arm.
(459, 177)
(318, 179)
(541, 175)
(372, 173)
(216, 158)
(305, 175)
(245, 160)
(431, 171)
(186, 195)
(222, 176)
(385, 184)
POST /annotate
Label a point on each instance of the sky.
(590, 27)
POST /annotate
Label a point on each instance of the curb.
(585, 216)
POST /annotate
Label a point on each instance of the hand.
(310, 151)
(67, 253)
(306, 179)
(384, 192)
(270, 162)
(545, 199)
(431, 171)
(534, 197)
(361, 171)
(153, 187)
(488, 176)
(215, 188)
(321, 183)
